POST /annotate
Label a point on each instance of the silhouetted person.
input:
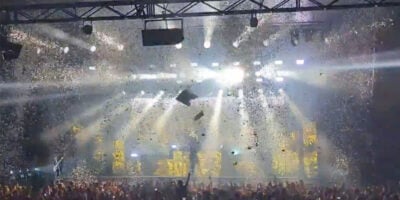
(181, 190)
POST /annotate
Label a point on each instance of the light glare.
(300, 62)
(207, 44)
(231, 76)
(66, 50)
(93, 48)
(279, 79)
(134, 155)
(278, 62)
(178, 46)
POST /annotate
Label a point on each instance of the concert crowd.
(171, 190)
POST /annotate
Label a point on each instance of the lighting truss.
(156, 9)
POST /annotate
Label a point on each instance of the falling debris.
(199, 115)
(185, 97)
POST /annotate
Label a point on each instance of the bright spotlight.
(215, 64)
(178, 46)
(236, 63)
(265, 43)
(258, 73)
(142, 92)
(66, 50)
(134, 155)
(278, 62)
(235, 44)
(93, 48)
(256, 62)
(280, 90)
(162, 92)
(92, 68)
(120, 47)
(259, 80)
(174, 146)
(279, 79)
(172, 65)
(300, 62)
(231, 76)
(207, 44)
(193, 64)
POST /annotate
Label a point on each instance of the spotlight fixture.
(253, 21)
(9, 50)
(162, 36)
(87, 29)
(294, 37)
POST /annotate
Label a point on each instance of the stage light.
(265, 43)
(236, 63)
(134, 155)
(283, 73)
(215, 64)
(87, 29)
(278, 62)
(279, 79)
(280, 90)
(92, 68)
(142, 92)
(294, 37)
(162, 92)
(36, 169)
(9, 50)
(11, 172)
(259, 80)
(235, 44)
(253, 21)
(178, 46)
(256, 63)
(93, 48)
(66, 50)
(120, 47)
(231, 76)
(207, 44)
(300, 62)
(172, 65)
(258, 73)
(174, 146)
(193, 64)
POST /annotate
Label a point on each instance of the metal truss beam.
(158, 9)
